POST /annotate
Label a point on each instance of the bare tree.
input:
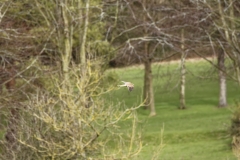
(224, 40)
(229, 32)
(148, 80)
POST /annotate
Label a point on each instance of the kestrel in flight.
(129, 85)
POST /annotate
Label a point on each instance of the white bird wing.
(129, 85)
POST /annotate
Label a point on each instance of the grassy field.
(198, 133)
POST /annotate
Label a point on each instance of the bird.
(129, 85)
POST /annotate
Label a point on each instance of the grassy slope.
(197, 133)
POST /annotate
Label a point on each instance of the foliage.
(69, 118)
(73, 123)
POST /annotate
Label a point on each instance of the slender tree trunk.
(84, 36)
(80, 21)
(182, 84)
(67, 51)
(147, 67)
(151, 95)
(222, 80)
(183, 72)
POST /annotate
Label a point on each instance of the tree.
(228, 26)
(68, 117)
(135, 32)
(183, 72)
(148, 92)
(196, 20)
(221, 69)
(223, 40)
(151, 31)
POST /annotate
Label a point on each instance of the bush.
(72, 121)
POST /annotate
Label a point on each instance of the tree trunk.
(148, 93)
(151, 95)
(67, 51)
(183, 72)
(222, 80)
(84, 36)
(80, 21)
(182, 87)
(148, 88)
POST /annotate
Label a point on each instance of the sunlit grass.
(197, 133)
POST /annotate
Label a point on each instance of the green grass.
(198, 133)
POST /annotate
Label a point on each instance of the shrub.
(72, 121)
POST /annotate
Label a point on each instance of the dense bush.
(73, 122)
